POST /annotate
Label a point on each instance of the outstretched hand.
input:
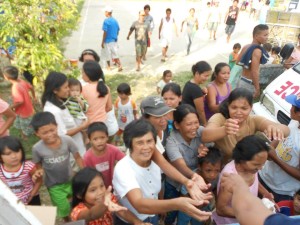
(39, 173)
(196, 186)
(189, 206)
(111, 206)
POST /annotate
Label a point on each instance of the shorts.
(229, 29)
(212, 26)
(140, 48)
(59, 195)
(24, 125)
(246, 83)
(165, 42)
(111, 50)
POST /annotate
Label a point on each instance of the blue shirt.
(111, 27)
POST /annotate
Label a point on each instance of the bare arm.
(79, 160)
(108, 106)
(181, 166)
(76, 130)
(254, 70)
(130, 32)
(199, 103)
(274, 131)
(182, 25)
(36, 187)
(10, 117)
(103, 38)
(222, 207)
(160, 27)
(211, 99)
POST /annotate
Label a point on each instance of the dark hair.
(249, 146)
(213, 156)
(182, 111)
(168, 10)
(81, 182)
(41, 119)
(236, 1)
(217, 70)
(267, 47)
(234, 95)
(13, 144)
(53, 82)
(124, 88)
(11, 72)
(97, 126)
(166, 72)
(276, 49)
(237, 45)
(200, 67)
(208, 3)
(192, 9)
(94, 72)
(296, 109)
(258, 28)
(135, 129)
(74, 82)
(147, 7)
(267, 2)
(173, 87)
(297, 192)
(89, 52)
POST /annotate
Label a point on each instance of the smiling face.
(256, 163)
(223, 75)
(48, 133)
(171, 99)
(239, 109)
(201, 78)
(143, 149)
(188, 127)
(98, 140)
(63, 91)
(95, 192)
(11, 158)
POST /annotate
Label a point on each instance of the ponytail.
(102, 88)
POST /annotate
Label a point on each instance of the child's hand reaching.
(111, 206)
(37, 175)
(204, 90)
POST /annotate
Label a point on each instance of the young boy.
(101, 156)
(209, 167)
(291, 207)
(22, 104)
(126, 109)
(233, 55)
(52, 154)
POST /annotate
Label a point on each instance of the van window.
(297, 68)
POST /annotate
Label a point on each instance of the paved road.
(89, 35)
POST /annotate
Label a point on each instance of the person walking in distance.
(230, 19)
(150, 21)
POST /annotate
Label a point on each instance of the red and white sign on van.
(289, 88)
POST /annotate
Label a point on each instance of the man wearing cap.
(111, 30)
(142, 32)
(281, 176)
(154, 110)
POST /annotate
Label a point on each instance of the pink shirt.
(3, 107)
(20, 93)
(104, 163)
(96, 111)
(296, 56)
(230, 168)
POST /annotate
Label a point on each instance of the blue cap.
(294, 100)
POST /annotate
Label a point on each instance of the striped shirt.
(20, 181)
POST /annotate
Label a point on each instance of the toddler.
(290, 207)
(233, 55)
(126, 109)
(22, 104)
(166, 78)
(17, 172)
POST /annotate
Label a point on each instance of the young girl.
(97, 94)
(192, 94)
(16, 172)
(126, 109)
(249, 156)
(218, 90)
(275, 54)
(94, 203)
(171, 94)
(166, 78)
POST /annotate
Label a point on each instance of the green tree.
(37, 26)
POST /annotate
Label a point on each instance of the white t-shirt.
(65, 121)
(128, 176)
(288, 151)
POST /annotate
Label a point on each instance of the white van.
(272, 104)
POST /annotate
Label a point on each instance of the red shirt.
(20, 94)
(104, 163)
(289, 204)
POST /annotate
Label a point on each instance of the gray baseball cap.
(155, 106)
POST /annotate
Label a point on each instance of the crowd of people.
(193, 156)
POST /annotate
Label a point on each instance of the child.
(166, 78)
(126, 109)
(17, 172)
(52, 153)
(76, 104)
(209, 167)
(218, 90)
(249, 156)
(233, 55)
(9, 115)
(22, 104)
(290, 207)
(101, 156)
(275, 54)
(93, 203)
(268, 48)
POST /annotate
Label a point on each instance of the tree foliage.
(36, 26)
